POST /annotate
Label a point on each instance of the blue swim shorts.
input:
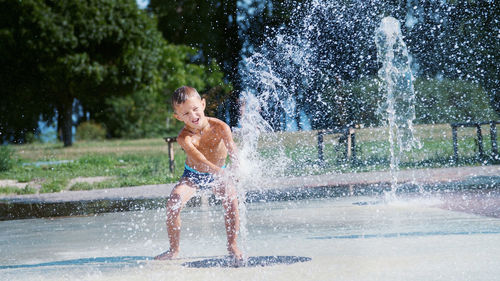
(201, 180)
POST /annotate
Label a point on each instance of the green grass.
(6, 162)
(145, 161)
(373, 150)
(99, 185)
(16, 190)
(54, 185)
(129, 162)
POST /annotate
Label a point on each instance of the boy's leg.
(231, 217)
(178, 198)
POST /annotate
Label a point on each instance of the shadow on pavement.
(259, 261)
(98, 261)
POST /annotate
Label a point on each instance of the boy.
(207, 142)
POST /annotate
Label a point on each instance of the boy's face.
(191, 112)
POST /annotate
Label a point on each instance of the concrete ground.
(343, 238)
(328, 227)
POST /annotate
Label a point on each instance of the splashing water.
(252, 167)
(272, 77)
(294, 69)
(397, 85)
(297, 70)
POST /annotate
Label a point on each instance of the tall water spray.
(295, 71)
(289, 80)
(279, 73)
(397, 85)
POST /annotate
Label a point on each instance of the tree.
(147, 113)
(473, 39)
(447, 101)
(211, 27)
(21, 101)
(56, 52)
(450, 39)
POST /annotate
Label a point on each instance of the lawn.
(372, 151)
(119, 163)
(51, 167)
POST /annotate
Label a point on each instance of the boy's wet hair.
(182, 94)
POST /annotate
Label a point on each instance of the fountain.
(293, 226)
(397, 85)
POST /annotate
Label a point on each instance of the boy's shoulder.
(217, 122)
(219, 125)
(183, 133)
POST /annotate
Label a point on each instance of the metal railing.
(170, 141)
(349, 137)
(493, 136)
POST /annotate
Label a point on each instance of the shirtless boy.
(207, 142)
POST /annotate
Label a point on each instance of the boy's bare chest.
(209, 142)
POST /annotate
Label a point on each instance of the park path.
(127, 198)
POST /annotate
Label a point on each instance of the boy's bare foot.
(168, 255)
(236, 257)
(235, 252)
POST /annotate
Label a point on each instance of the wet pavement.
(343, 238)
(442, 224)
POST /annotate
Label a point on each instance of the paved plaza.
(347, 238)
(440, 234)
(154, 196)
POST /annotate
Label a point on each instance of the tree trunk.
(297, 113)
(66, 119)
(59, 124)
(232, 55)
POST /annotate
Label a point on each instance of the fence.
(360, 147)
(493, 136)
(170, 141)
(349, 139)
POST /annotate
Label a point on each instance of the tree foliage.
(437, 101)
(447, 101)
(109, 56)
(89, 130)
(456, 40)
(55, 52)
(148, 112)
(211, 27)
(328, 45)
(6, 161)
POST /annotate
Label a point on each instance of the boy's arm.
(195, 154)
(232, 150)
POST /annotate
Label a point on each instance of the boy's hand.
(228, 175)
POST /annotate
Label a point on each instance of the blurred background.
(109, 66)
(97, 75)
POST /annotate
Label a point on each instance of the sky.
(142, 3)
